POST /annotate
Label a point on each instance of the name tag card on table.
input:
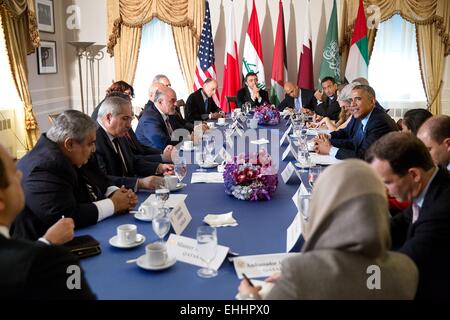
(293, 232)
(289, 150)
(207, 177)
(185, 250)
(172, 202)
(289, 172)
(300, 191)
(180, 217)
(286, 133)
(258, 266)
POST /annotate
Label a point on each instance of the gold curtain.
(126, 19)
(22, 37)
(432, 20)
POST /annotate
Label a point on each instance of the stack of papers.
(207, 177)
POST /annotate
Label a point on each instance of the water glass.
(304, 159)
(162, 195)
(303, 203)
(181, 169)
(207, 248)
(200, 158)
(313, 174)
(161, 223)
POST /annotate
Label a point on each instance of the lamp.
(95, 53)
(80, 52)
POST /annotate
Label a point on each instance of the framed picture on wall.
(46, 56)
(45, 17)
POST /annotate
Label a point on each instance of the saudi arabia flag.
(253, 56)
(358, 58)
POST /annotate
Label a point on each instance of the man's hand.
(307, 111)
(151, 182)
(246, 289)
(255, 92)
(217, 115)
(61, 232)
(318, 95)
(165, 169)
(167, 153)
(124, 199)
(323, 147)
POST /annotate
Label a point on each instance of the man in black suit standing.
(422, 231)
(369, 123)
(298, 99)
(200, 105)
(113, 153)
(251, 93)
(61, 178)
(31, 270)
(327, 104)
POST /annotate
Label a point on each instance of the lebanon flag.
(305, 67)
(252, 60)
(358, 58)
(231, 79)
(279, 66)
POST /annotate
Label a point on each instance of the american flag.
(205, 58)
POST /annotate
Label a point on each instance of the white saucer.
(179, 186)
(209, 165)
(142, 263)
(140, 239)
(187, 150)
(140, 216)
(221, 125)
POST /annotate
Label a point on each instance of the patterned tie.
(169, 127)
(119, 152)
(415, 210)
(297, 104)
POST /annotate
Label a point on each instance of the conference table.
(261, 230)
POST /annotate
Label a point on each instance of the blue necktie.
(359, 135)
(206, 105)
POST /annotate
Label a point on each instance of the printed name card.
(289, 172)
(289, 150)
(259, 265)
(185, 250)
(286, 133)
(180, 217)
(300, 191)
(293, 232)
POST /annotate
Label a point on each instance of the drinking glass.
(161, 223)
(162, 194)
(210, 144)
(304, 159)
(207, 248)
(303, 203)
(313, 174)
(181, 169)
(200, 158)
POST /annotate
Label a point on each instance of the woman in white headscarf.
(346, 254)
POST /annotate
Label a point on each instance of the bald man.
(200, 105)
(435, 134)
(298, 99)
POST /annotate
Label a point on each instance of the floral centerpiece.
(251, 177)
(267, 114)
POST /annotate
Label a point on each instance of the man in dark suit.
(31, 270)
(154, 128)
(60, 178)
(113, 154)
(422, 231)
(298, 99)
(435, 134)
(327, 104)
(200, 105)
(251, 93)
(369, 123)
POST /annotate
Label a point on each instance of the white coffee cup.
(171, 182)
(188, 145)
(156, 254)
(221, 121)
(211, 125)
(126, 234)
(252, 123)
(147, 210)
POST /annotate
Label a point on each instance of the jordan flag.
(252, 60)
(279, 66)
(231, 78)
(305, 67)
(358, 58)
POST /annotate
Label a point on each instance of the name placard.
(289, 150)
(259, 265)
(293, 232)
(289, 172)
(286, 133)
(185, 250)
(180, 217)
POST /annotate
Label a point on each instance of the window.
(394, 67)
(157, 55)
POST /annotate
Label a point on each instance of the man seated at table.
(113, 154)
(422, 231)
(60, 178)
(435, 134)
(201, 106)
(251, 93)
(369, 123)
(298, 99)
(30, 270)
(327, 104)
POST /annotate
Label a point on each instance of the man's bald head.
(291, 89)
(435, 134)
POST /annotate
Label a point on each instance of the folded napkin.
(260, 141)
(220, 220)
